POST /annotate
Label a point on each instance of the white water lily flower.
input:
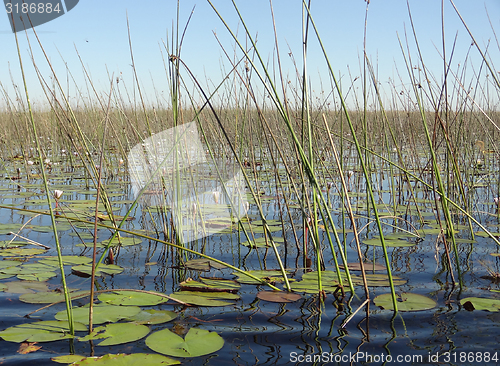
(497, 201)
(30, 162)
(216, 195)
(58, 194)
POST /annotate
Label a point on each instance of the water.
(257, 332)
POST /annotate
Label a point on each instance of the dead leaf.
(28, 347)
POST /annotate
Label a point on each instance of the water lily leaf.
(28, 347)
(43, 331)
(121, 359)
(17, 252)
(482, 303)
(205, 298)
(40, 276)
(367, 266)
(25, 287)
(210, 285)
(406, 302)
(86, 270)
(278, 296)
(7, 228)
(131, 298)
(198, 342)
(270, 276)
(261, 242)
(203, 264)
(118, 333)
(102, 313)
(378, 280)
(152, 316)
(390, 242)
(50, 297)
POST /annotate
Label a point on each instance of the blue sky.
(97, 30)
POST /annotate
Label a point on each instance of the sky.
(94, 35)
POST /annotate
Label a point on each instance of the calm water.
(263, 333)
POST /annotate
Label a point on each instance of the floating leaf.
(102, 313)
(121, 359)
(270, 276)
(203, 264)
(389, 242)
(261, 242)
(66, 259)
(131, 298)
(406, 302)
(43, 331)
(205, 298)
(18, 252)
(86, 270)
(119, 333)
(278, 296)
(198, 342)
(25, 287)
(210, 285)
(482, 303)
(153, 316)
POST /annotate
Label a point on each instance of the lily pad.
(153, 316)
(406, 302)
(203, 264)
(25, 287)
(67, 260)
(270, 276)
(208, 284)
(205, 298)
(86, 270)
(367, 266)
(102, 313)
(261, 242)
(198, 342)
(119, 333)
(278, 296)
(43, 331)
(389, 242)
(135, 359)
(131, 298)
(482, 303)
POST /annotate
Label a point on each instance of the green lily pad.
(208, 284)
(203, 264)
(278, 296)
(12, 244)
(389, 242)
(43, 331)
(118, 333)
(86, 269)
(482, 303)
(131, 298)
(101, 313)
(198, 342)
(49, 297)
(67, 260)
(205, 298)
(152, 316)
(18, 252)
(25, 287)
(270, 276)
(134, 359)
(406, 302)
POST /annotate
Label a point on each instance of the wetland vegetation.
(370, 229)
